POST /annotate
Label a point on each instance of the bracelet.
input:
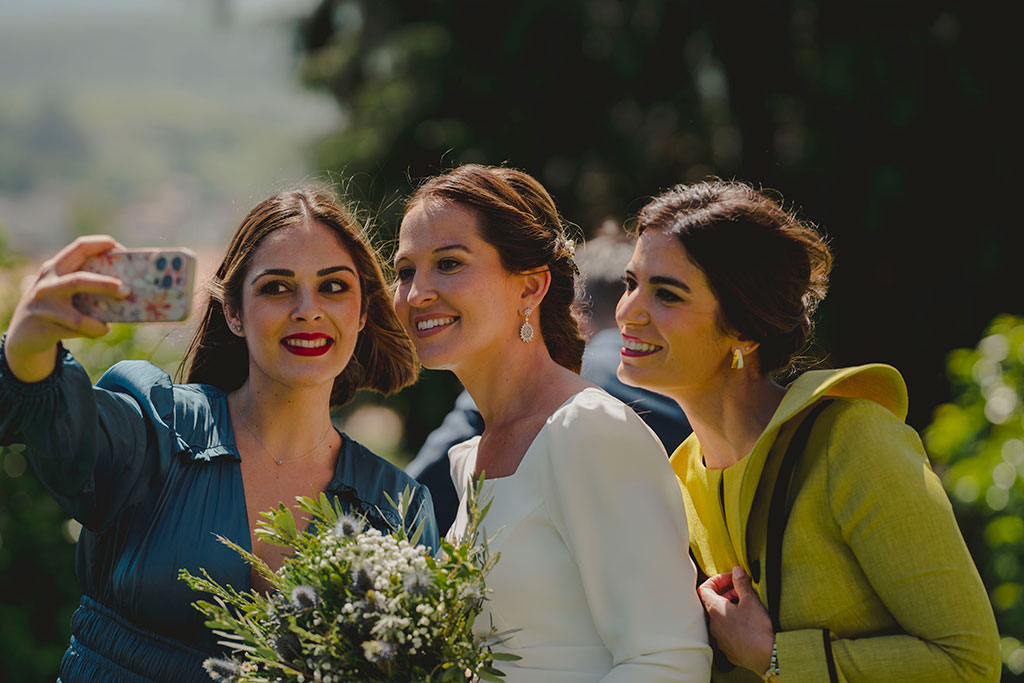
(772, 674)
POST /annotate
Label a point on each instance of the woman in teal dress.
(298, 318)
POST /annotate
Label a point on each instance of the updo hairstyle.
(517, 216)
(768, 269)
(384, 358)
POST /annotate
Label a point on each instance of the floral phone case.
(160, 280)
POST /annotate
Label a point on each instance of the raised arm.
(87, 445)
(616, 502)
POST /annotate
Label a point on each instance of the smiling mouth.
(308, 347)
(635, 347)
(308, 343)
(425, 326)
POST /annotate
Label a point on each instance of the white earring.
(737, 359)
(526, 330)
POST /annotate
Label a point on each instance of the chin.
(435, 356)
(634, 378)
(437, 362)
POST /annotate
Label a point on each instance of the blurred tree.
(888, 124)
(980, 438)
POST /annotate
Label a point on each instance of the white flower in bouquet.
(354, 604)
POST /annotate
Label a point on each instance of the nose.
(421, 291)
(630, 309)
(307, 307)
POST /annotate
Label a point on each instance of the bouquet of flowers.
(353, 604)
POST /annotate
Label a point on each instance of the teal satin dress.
(151, 471)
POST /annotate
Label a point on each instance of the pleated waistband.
(107, 647)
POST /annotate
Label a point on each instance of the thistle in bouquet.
(354, 604)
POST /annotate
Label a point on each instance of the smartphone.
(160, 280)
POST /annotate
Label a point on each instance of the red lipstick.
(307, 344)
(635, 353)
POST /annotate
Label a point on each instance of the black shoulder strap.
(779, 508)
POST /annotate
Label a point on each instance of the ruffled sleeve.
(95, 449)
(616, 503)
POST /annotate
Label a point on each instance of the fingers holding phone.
(159, 283)
(90, 282)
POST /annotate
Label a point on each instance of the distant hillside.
(158, 125)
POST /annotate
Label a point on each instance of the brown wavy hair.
(384, 358)
(767, 268)
(518, 217)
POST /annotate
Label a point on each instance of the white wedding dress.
(594, 564)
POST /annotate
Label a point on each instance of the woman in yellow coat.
(832, 550)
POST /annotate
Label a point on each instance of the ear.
(233, 320)
(535, 287)
(362, 321)
(746, 345)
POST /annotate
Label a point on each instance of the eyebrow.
(448, 247)
(664, 280)
(284, 272)
(452, 247)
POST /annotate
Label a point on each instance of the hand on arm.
(45, 314)
(738, 621)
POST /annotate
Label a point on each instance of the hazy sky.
(33, 11)
(186, 119)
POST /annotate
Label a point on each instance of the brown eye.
(447, 265)
(334, 287)
(272, 287)
(667, 296)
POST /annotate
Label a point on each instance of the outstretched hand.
(45, 314)
(738, 621)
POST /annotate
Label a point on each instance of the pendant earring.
(526, 330)
(737, 359)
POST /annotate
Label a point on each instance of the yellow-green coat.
(875, 572)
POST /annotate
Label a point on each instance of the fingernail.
(738, 571)
(123, 290)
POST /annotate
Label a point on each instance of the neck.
(520, 380)
(729, 416)
(287, 423)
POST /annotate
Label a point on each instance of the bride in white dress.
(594, 568)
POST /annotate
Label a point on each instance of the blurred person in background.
(589, 513)
(832, 550)
(297, 319)
(601, 261)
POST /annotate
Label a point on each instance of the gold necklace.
(277, 460)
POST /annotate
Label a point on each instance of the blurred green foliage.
(979, 437)
(889, 125)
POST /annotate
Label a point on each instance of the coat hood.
(878, 382)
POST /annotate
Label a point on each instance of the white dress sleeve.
(616, 502)
(461, 462)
